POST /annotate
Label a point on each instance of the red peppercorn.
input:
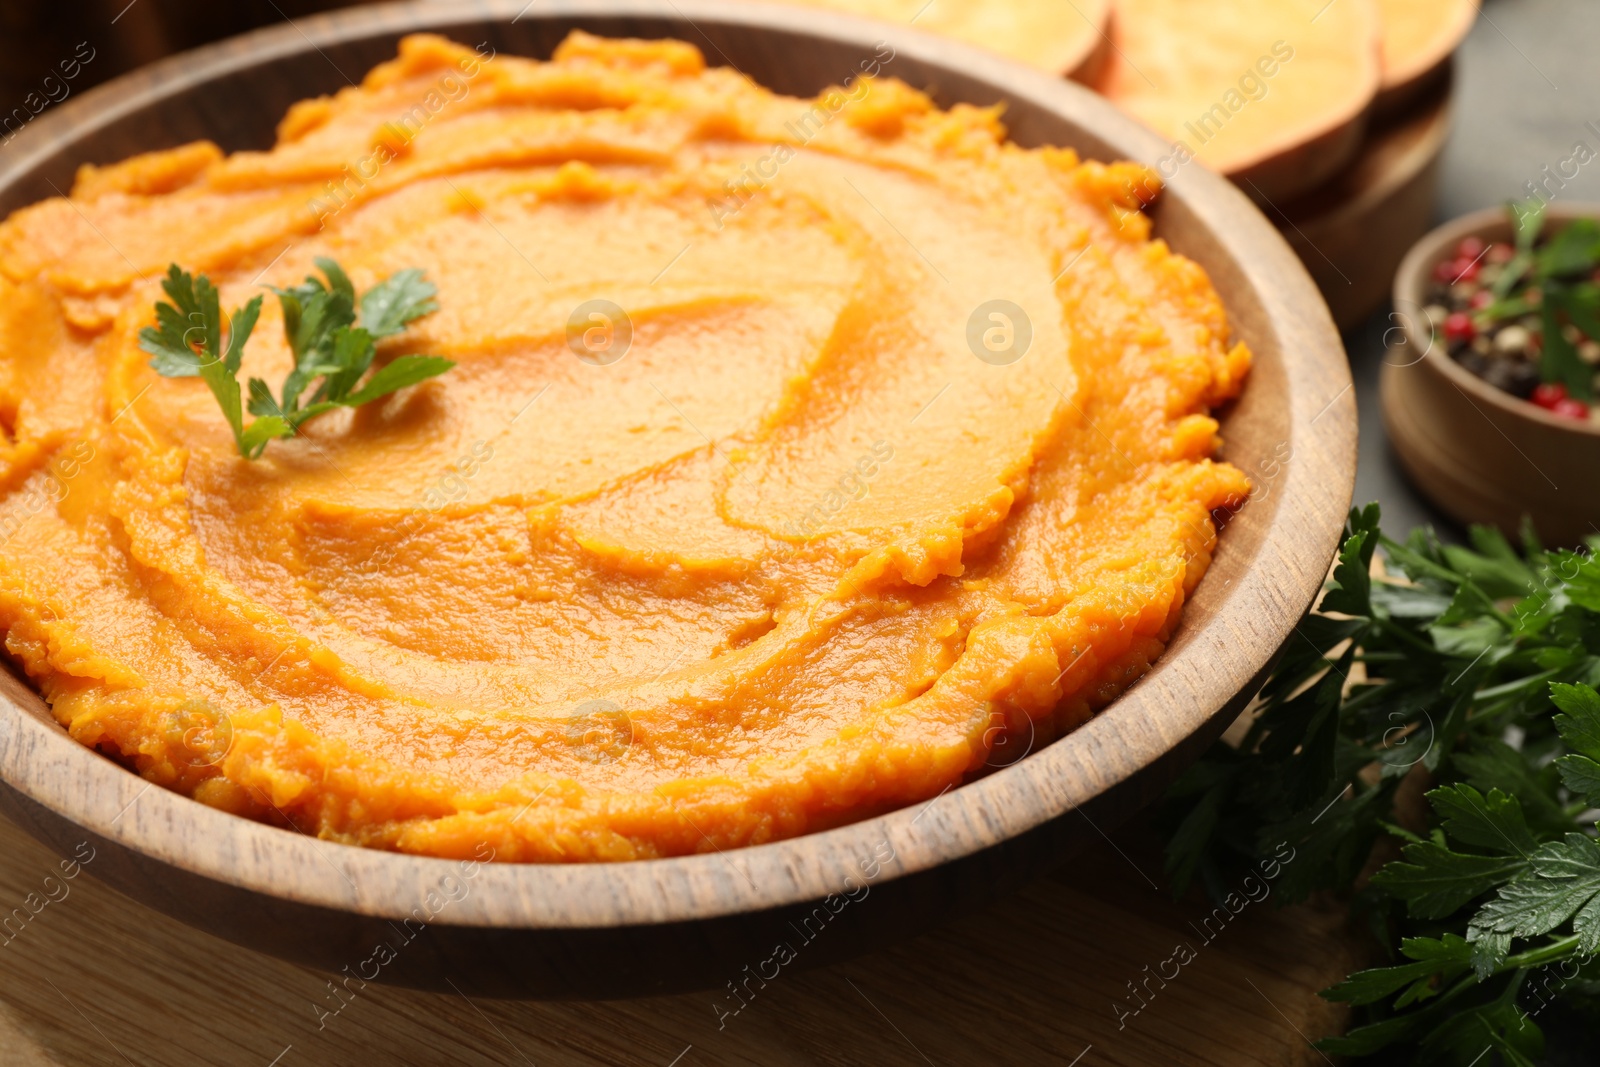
(1568, 408)
(1444, 271)
(1458, 327)
(1549, 394)
(1471, 247)
(1481, 299)
(1466, 270)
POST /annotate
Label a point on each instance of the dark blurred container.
(49, 39)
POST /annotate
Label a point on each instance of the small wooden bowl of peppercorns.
(1491, 385)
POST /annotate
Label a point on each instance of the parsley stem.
(1418, 563)
(1371, 695)
(1469, 981)
(1426, 647)
(1534, 957)
(1506, 688)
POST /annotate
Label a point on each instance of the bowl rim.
(1176, 700)
(1410, 283)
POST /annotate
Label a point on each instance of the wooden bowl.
(698, 921)
(1480, 454)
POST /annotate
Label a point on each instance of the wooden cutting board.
(1352, 232)
(94, 978)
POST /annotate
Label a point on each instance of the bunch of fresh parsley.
(1473, 669)
(1555, 281)
(191, 339)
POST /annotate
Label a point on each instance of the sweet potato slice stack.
(1067, 37)
(1273, 93)
(1418, 38)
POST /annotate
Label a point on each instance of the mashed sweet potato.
(798, 537)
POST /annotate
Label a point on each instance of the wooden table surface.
(94, 978)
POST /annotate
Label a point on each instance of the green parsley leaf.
(1562, 882)
(312, 315)
(351, 353)
(262, 402)
(1492, 563)
(1499, 1026)
(1435, 882)
(319, 322)
(1573, 250)
(1373, 1037)
(240, 325)
(255, 437)
(1349, 591)
(187, 342)
(1579, 726)
(1492, 764)
(1444, 958)
(1408, 601)
(188, 328)
(1493, 823)
(1560, 361)
(1468, 639)
(338, 280)
(1580, 579)
(390, 305)
(404, 371)
(1581, 774)
(1489, 952)
(1581, 303)
(1562, 270)
(1527, 220)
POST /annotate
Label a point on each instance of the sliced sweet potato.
(1061, 36)
(1273, 93)
(1418, 39)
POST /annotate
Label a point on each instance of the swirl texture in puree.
(797, 557)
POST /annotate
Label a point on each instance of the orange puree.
(798, 556)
